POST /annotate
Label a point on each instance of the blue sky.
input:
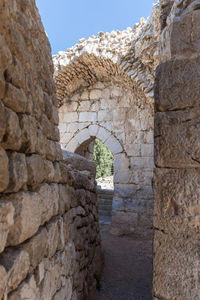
(66, 21)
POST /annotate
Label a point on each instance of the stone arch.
(92, 132)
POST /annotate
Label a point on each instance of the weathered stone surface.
(176, 266)
(2, 120)
(15, 99)
(17, 172)
(4, 173)
(27, 290)
(27, 217)
(3, 281)
(16, 263)
(36, 247)
(6, 221)
(12, 139)
(36, 169)
(177, 139)
(66, 292)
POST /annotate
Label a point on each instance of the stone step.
(105, 196)
(105, 201)
(104, 213)
(105, 207)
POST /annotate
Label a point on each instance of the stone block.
(4, 173)
(87, 117)
(65, 198)
(16, 263)
(177, 204)
(35, 167)
(15, 99)
(49, 201)
(18, 175)
(2, 119)
(3, 281)
(49, 171)
(27, 217)
(36, 247)
(6, 221)
(93, 130)
(177, 80)
(68, 117)
(95, 94)
(147, 150)
(104, 115)
(114, 145)
(103, 134)
(176, 266)
(177, 139)
(65, 292)
(29, 133)
(27, 290)
(13, 135)
(51, 282)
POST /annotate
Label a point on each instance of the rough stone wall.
(177, 157)
(49, 235)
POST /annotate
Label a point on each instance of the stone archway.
(101, 100)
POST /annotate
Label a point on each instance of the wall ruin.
(108, 94)
(49, 232)
(177, 177)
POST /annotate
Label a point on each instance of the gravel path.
(127, 273)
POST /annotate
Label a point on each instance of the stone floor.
(127, 272)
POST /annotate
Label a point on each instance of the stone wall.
(120, 116)
(49, 234)
(105, 90)
(177, 156)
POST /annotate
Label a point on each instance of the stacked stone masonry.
(49, 233)
(105, 91)
(177, 176)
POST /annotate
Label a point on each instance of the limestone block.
(29, 133)
(182, 82)
(69, 106)
(3, 281)
(15, 99)
(16, 263)
(104, 115)
(93, 130)
(95, 94)
(85, 95)
(177, 150)
(6, 221)
(49, 201)
(12, 139)
(51, 282)
(177, 206)
(68, 117)
(116, 92)
(2, 85)
(65, 197)
(27, 290)
(108, 104)
(18, 175)
(27, 217)
(4, 173)
(53, 150)
(84, 105)
(2, 119)
(52, 237)
(142, 162)
(114, 145)
(37, 247)
(133, 149)
(103, 134)
(5, 56)
(64, 293)
(122, 172)
(87, 117)
(62, 127)
(49, 171)
(172, 252)
(147, 150)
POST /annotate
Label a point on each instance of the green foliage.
(103, 159)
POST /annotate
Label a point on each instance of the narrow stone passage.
(127, 272)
